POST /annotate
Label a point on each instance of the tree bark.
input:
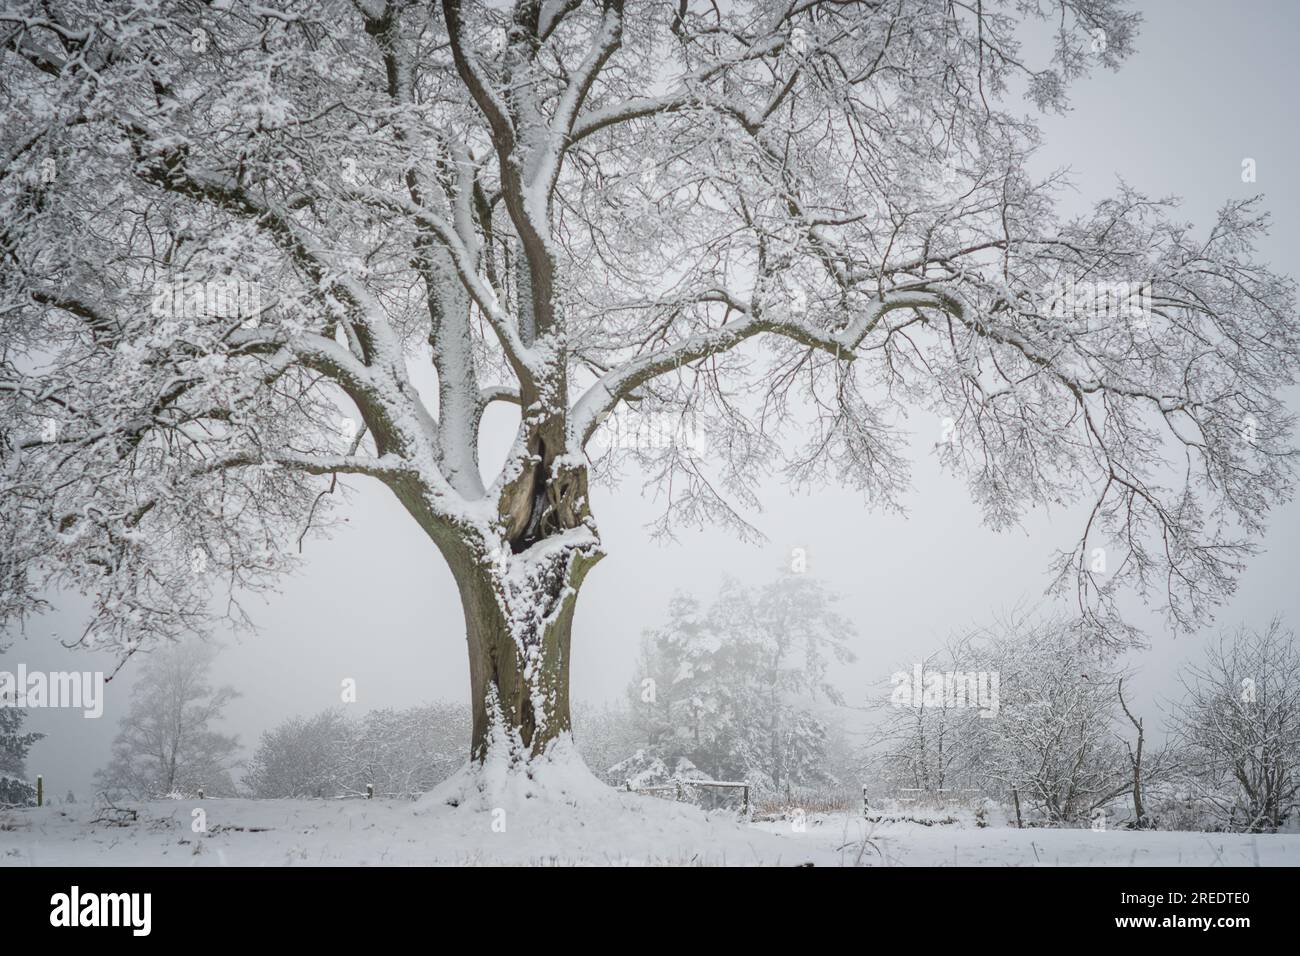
(518, 628)
(518, 585)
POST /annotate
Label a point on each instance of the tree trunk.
(518, 624)
(1135, 760)
(518, 587)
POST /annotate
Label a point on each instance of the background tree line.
(739, 689)
(1069, 742)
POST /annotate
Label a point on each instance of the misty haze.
(576, 432)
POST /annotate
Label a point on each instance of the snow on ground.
(620, 829)
(963, 844)
(625, 829)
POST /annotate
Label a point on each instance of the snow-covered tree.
(1151, 766)
(732, 687)
(406, 752)
(251, 249)
(166, 744)
(301, 757)
(1059, 739)
(400, 753)
(925, 743)
(797, 633)
(1239, 728)
(605, 735)
(15, 790)
(1053, 742)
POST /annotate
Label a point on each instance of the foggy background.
(1211, 84)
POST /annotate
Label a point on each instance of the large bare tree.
(749, 217)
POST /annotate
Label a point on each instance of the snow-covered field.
(620, 829)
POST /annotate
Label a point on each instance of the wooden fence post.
(370, 791)
(40, 790)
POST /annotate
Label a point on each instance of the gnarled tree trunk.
(518, 590)
(518, 627)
